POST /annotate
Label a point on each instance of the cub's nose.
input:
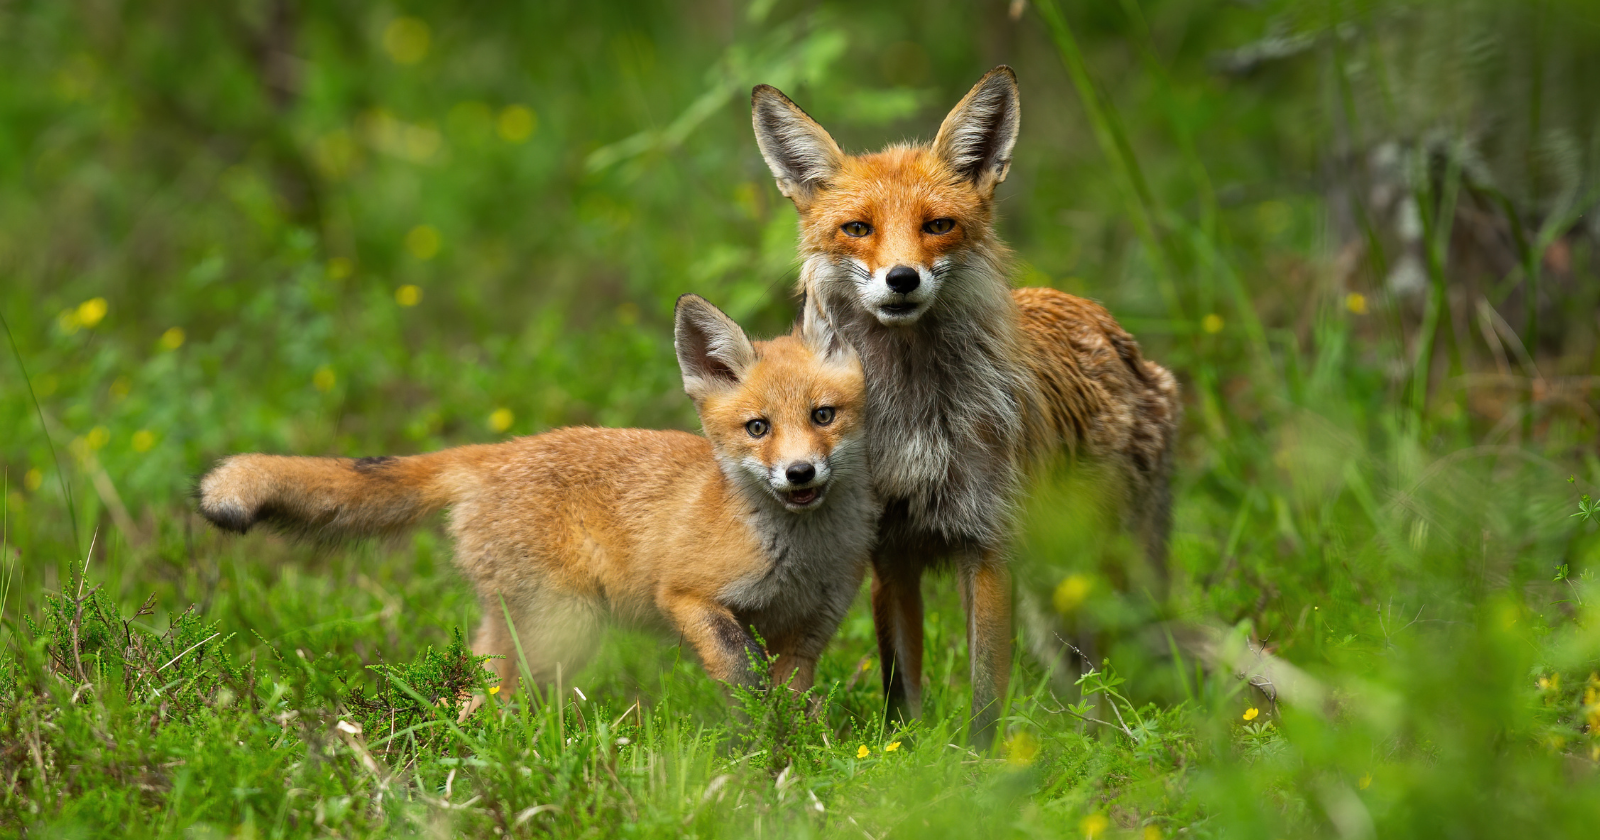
(903, 279)
(800, 472)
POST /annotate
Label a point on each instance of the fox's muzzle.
(802, 484)
(902, 279)
(898, 295)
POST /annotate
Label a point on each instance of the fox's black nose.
(800, 472)
(903, 279)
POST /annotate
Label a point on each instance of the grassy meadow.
(1359, 231)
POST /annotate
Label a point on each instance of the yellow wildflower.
(423, 242)
(494, 689)
(1365, 781)
(1093, 825)
(173, 338)
(1021, 749)
(1356, 303)
(91, 311)
(1211, 323)
(517, 123)
(863, 752)
(324, 379)
(1251, 713)
(500, 419)
(1274, 217)
(892, 747)
(406, 39)
(1071, 593)
(1152, 833)
(144, 440)
(408, 295)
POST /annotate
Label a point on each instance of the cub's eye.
(822, 416)
(757, 428)
(938, 226)
(857, 229)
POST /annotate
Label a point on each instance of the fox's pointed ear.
(820, 335)
(713, 352)
(977, 136)
(799, 152)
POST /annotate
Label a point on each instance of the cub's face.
(791, 424)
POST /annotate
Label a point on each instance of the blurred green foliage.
(1359, 231)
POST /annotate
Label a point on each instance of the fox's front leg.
(796, 669)
(726, 648)
(897, 618)
(986, 595)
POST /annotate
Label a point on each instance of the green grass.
(1389, 490)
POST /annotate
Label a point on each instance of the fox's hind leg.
(549, 636)
(1154, 440)
(1155, 532)
(986, 594)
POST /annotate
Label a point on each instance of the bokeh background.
(1360, 232)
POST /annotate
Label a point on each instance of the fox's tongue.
(803, 497)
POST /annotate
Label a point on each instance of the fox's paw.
(231, 496)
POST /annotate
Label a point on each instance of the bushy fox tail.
(338, 498)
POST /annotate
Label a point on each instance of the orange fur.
(971, 384)
(693, 535)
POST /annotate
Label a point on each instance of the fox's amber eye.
(822, 416)
(938, 226)
(757, 428)
(857, 229)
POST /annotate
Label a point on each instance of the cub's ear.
(713, 352)
(820, 335)
(799, 152)
(977, 136)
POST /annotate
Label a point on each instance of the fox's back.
(593, 511)
(1095, 393)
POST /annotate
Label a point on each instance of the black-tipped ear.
(978, 134)
(799, 152)
(820, 335)
(713, 352)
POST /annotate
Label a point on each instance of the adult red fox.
(765, 522)
(969, 382)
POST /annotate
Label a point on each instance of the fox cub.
(765, 522)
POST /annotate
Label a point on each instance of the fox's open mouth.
(804, 497)
(905, 312)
